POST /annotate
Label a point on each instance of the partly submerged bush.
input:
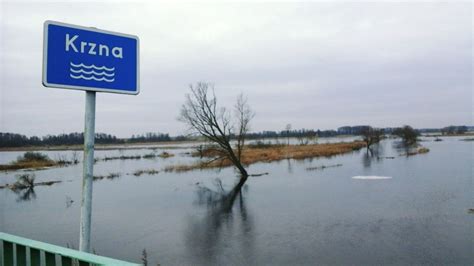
(148, 172)
(149, 156)
(420, 150)
(23, 181)
(29, 160)
(165, 155)
(109, 176)
(33, 156)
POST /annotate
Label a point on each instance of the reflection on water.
(26, 194)
(208, 237)
(403, 148)
(289, 166)
(374, 153)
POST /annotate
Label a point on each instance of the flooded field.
(361, 208)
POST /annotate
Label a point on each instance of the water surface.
(293, 216)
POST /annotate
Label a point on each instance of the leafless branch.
(201, 113)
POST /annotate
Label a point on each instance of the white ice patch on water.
(371, 177)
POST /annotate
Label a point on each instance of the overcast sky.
(312, 64)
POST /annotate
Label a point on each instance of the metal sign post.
(88, 173)
(93, 60)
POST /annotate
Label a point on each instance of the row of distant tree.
(449, 130)
(350, 130)
(454, 130)
(18, 140)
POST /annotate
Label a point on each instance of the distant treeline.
(18, 140)
(292, 134)
(449, 130)
(454, 130)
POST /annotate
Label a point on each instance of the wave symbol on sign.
(92, 72)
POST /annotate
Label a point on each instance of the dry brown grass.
(184, 167)
(271, 154)
(299, 152)
(420, 150)
(29, 160)
(26, 165)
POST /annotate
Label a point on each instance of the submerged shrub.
(29, 160)
(33, 156)
(109, 176)
(149, 156)
(166, 154)
(148, 172)
(24, 181)
(418, 151)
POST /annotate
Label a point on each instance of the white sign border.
(83, 88)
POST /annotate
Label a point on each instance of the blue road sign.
(89, 59)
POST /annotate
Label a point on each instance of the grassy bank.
(163, 155)
(420, 150)
(270, 153)
(29, 160)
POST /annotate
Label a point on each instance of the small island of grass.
(29, 160)
(268, 153)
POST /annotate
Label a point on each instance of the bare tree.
(371, 135)
(201, 113)
(244, 115)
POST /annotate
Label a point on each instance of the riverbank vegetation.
(110, 176)
(419, 150)
(26, 181)
(74, 141)
(146, 172)
(136, 157)
(37, 160)
(268, 153)
(30, 160)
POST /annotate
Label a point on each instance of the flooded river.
(369, 208)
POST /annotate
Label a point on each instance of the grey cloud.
(315, 65)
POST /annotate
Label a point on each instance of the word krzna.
(91, 48)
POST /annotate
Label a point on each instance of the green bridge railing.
(19, 251)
